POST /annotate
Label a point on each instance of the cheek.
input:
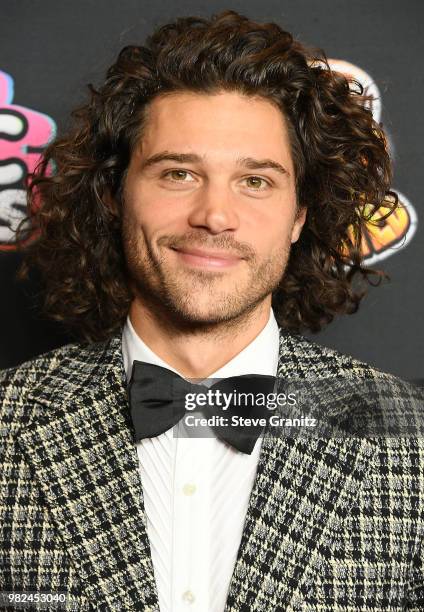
(274, 217)
(151, 205)
(152, 220)
(268, 242)
(277, 234)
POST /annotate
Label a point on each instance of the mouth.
(202, 258)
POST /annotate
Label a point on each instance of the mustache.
(196, 240)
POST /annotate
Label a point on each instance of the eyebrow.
(191, 158)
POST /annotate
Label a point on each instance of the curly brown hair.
(340, 154)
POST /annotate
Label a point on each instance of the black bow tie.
(158, 402)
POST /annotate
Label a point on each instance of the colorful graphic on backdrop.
(385, 237)
(24, 133)
(389, 236)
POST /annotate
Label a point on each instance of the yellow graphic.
(383, 237)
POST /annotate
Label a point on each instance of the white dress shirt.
(196, 490)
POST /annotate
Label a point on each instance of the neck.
(198, 351)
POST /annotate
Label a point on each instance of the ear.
(298, 223)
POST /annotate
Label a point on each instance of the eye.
(180, 174)
(258, 181)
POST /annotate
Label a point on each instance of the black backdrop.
(51, 50)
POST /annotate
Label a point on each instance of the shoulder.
(381, 407)
(370, 401)
(48, 370)
(303, 359)
(21, 376)
(322, 360)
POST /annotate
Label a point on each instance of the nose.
(214, 210)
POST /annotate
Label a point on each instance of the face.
(209, 206)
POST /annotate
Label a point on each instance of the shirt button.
(188, 597)
(189, 489)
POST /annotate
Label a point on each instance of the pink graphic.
(24, 133)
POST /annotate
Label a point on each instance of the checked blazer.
(332, 523)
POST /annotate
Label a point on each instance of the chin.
(201, 316)
(208, 315)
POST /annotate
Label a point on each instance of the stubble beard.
(193, 298)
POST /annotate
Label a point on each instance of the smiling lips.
(207, 259)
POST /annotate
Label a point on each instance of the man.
(207, 206)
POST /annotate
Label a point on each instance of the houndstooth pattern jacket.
(332, 524)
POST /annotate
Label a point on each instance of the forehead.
(227, 123)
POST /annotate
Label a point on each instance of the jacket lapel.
(304, 487)
(81, 448)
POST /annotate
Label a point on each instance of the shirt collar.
(258, 357)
